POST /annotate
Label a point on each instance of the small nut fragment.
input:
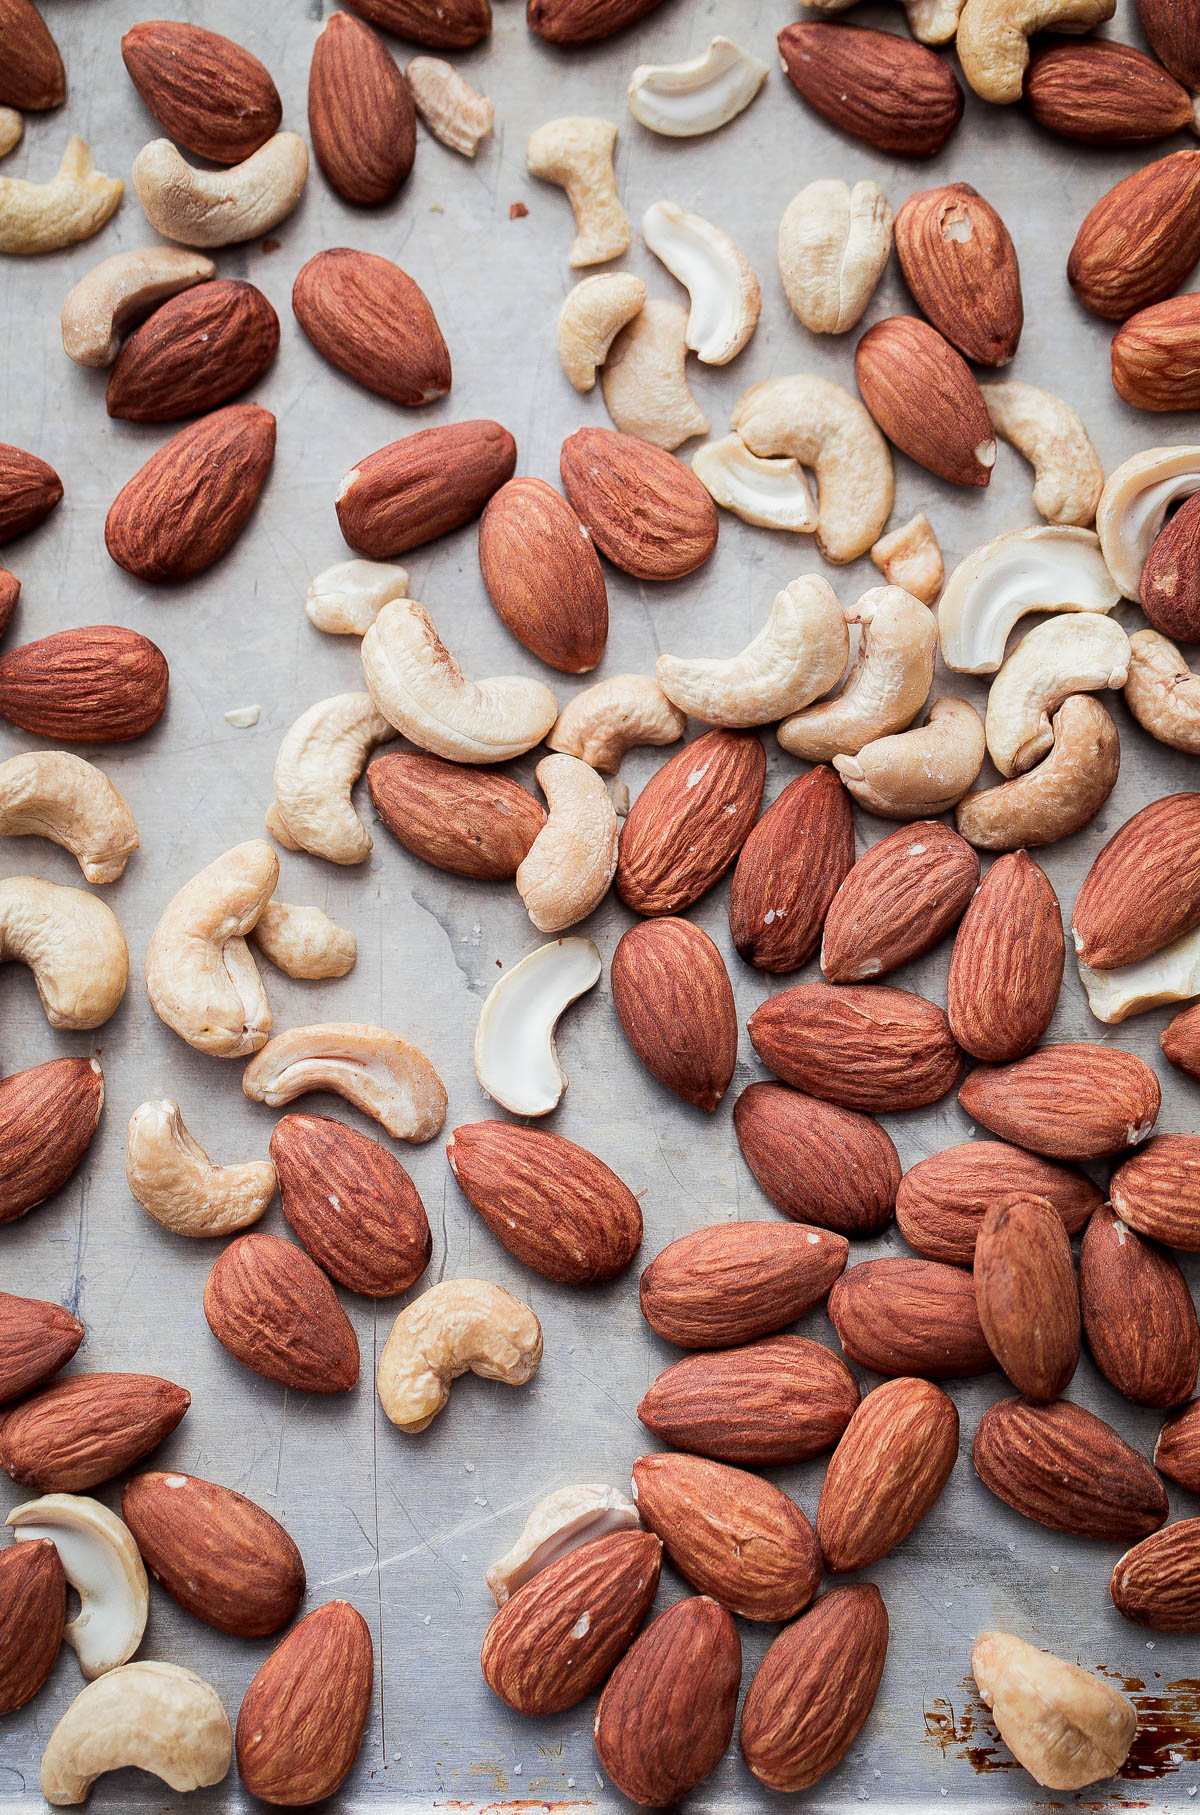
(304, 941)
(560, 1523)
(576, 152)
(930, 21)
(345, 599)
(12, 127)
(569, 867)
(722, 286)
(591, 318)
(72, 943)
(54, 794)
(614, 716)
(1169, 975)
(1134, 504)
(515, 1057)
(1076, 652)
(200, 977)
(1067, 1727)
(374, 1069)
(920, 773)
(101, 1563)
(220, 207)
(121, 291)
(885, 689)
(156, 1717)
(458, 1325)
(1067, 475)
(992, 38)
(1162, 692)
(910, 557)
(319, 762)
(1042, 569)
(1058, 797)
(799, 654)
(771, 493)
(453, 111)
(834, 242)
(645, 385)
(45, 217)
(177, 1184)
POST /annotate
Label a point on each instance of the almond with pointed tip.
(303, 1717)
(1026, 1294)
(1063, 1467)
(1170, 583)
(1177, 1452)
(101, 684)
(413, 490)
(48, 1116)
(781, 1399)
(583, 21)
(1138, 1314)
(472, 822)
(1174, 34)
(29, 491)
(864, 1046)
(33, 1610)
(1140, 240)
(816, 1162)
(369, 319)
(360, 115)
(894, 1459)
(197, 350)
(1157, 1583)
(647, 512)
(207, 92)
(1007, 964)
(729, 1283)
(1143, 889)
(543, 575)
(273, 1310)
(1102, 93)
(352, 1204)
(1076, 1101)
(32, 77)
(880, 86)
(37, 1338)
(1180, 1041)
(689, 822)
(88, 1428)
(899, 900)
(189, 503)
(941, 1201)
(1157, 1190)
(902, 1316)
(440, 24)
(675, 1004)
(924, 397)
(789, 870)
(959, 262)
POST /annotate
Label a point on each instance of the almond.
(558, 1637)
(1157, 1191)
(779, 1400)
(899, 900)
(730, 1534)
(543, 575)
(32, 76)
(667, 1711)
(472, 822)
(893, 1461)
(368, 318)
(1157, 1583)
(204, 90)
(33, 1609)
(925, 399)
(197, 350)
(1140, 240)
(690, 821)
(1065, 1468)
(583, 21)
(187, 506)
(10, 592)
(1174, 34)
(99, 685)
(48, 1116)
(1143, 889)
(675, 1004)
(942, 1201)
(1180, 1041)
(1170, 587)
(877, 85)
(29, 488)
(818, 1163)
(362, 120)
(1007, 964)
(647, 512)
(1177, 1452)
(429, 483)
(959, 262)
(553, 1205)
(724, 1285)
(1077, 1101)
(815, 1688)
(861, 1045)
(440, 24)
(37, 1338)
(902, 1316)
(1105, 94)
(303, 1717)
(87, 1429)
(1027, 1297)
(276, 1313)
(1138, 1314)
(218, 1554)
(789, 870)
(352, 1204)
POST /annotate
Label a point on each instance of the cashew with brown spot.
(121, 291)
(992, 40)
(156, 1717)
(886, 688)
(12, 129)
(345, 599)
(569, 867)
(591, 318)
(200, 976)
(220, 207)
(373, 1068)
(304, 941)
(72, 943)
(834, 242)
(774, 494)
(1171, 974)
(57, 795)
(930, 21)
(46, 217)
(101, 1563)
(799, 654)
(1077, 652)
(1047, 568)
(453, 111)
(560, 1523)
(576, 153)
(516, 1061)
(1162, 692)
(910, 557)
(1058, 797)
(176, 1183)
(1067, 475)
(1067, 1727)
(459, 1325)
(1134, 504)
(614, 716)
(720, 282)
(318, 763)
(682, 100)
(645, 385)
(920, 773)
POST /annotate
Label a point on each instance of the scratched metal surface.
(403, 1526)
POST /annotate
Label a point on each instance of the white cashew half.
(774, 494)
(200, 976)
(304, 941)
(55, 794)
(1134, 504)
(377, 1071)
(1171, 974)
(591, 318)
(1059, 796)
(930, 21)
(318, 763)
(454, 112)
(1041, 569)
(992, 38)
(346, 599)
(1076, 652)
(920, 773)
(834, 242)
(559, 1524)
(120, 291)
(613, 716)
(911, 557)
(74, 204)
(515, 1056)
(459, 1325)
(577, 153)
(1162, 692)
(644, 380)
(717, 276)
(567, 870)
(886, 688)
(823, 427)
(73, 944)
(176, 1183)
(682, 100)
(419, 687)
(156, 1717)
(220, 207)
(1067, 475)
(101, 1562)
(12, 129)
(799, 654)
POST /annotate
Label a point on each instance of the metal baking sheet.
(404, 1526)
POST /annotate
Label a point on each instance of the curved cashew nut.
(1134, 504)
(920, 773)
(992, 38)
(825, 428)
(799, 654)
(614, 716)
(681, 100)
(771, 493)
(1058, 797)
(419, 687)
(101, 1562)
(515, 1057)
(54, 794)
(930, 21)
(458, 1325)
(567, 870)
(1067, 475)
(1041, 569)
(1067, 1727)
(12, 128)
(220, 207)
(577, 153)
(453, 111)
(560, 1523)
(177, 1184)
(304, 941)
(346, 598)
(156, 1717)
(120, 291)
(720, 282)
(374, 1069)
(834, 242)
(319, 762)
(644, 380)
(590, 320)
(1171, 974)
(73, 944)
(1162, 692)
(886, 688)
(1078, 652)
(200, 976)
(74, 204)
(910, 557)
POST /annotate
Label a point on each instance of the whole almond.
(37, 1338)
(367, 317)
(959, 262)
(29, 490)
(207, 92)
(1170, 586)
(429, 483)
(1063, 1467)
(899, 900)
(1157, 1190)
(543, 575)
(1077, 1101)
(902, 1316)
(1143, 889)
(197, 351)
(48, 1116)
(925, 399)
(818, 1163)
(1007, 964)
(1174, 34)
(1138, 1314)
(1103, 93)
(879, 86)
(675, 1004)
(789, 870)
(88, 1428)
(690, 821)
(215, 1552)
(32, 77)
(647, 512)
(10, 592)
(440, 24)
(303, 1717)
(1180, 1041)
(861, 1045)
(782, 1399)
(942, 1201)
(1027, 1297)
(472, 822)
(1157, 1583)
(33, 1609)
(276, 1313)
(1140, 240)
(352, 1204)
(583, 21)
(727, 1284)
(361, 118)
(1177, 1452)
(99, 685)
(894, 1459)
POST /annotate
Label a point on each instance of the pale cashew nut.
(1078, 652)
(156, 1717)
(420, 689)
(774, 494)
(911, 557)
(834, 242)
(559, 1524)
(644, 380)
(992, 39)
(886, 688)
(720, 282)
(101, 1562)
(1134, 504)
(12, 128)
(930, 21)
(346, 599)
(1058, 797)
(515, 1057)
(304, 941)
(176, 1183)
(569, 867)
(614, 716)
(55, 794)
(682, 100)
(120, 291)
(576, 153)
(1162, 692)
(799, 654)
(73, 944)
(459, 1325)
(46, 217)
(1042, 569)
(319, 762)
(1172, 974)
(1067, 475)
(1067, 1727)
(220, 207)
(453, 111)
(591, 318)
(920, 773)
(200, 976)
(373, 1068)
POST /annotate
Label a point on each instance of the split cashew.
(1134, 504)
(346, 599)
(101, 1562)
(123, 290)
(1171, 974)
(156, 1717)
(799, 654)
(721, 285)
(458, 1325)
(886, 688)
(569, 867)
(645, 385)
(774, 494)
(1067, 1727)
(910, 557)
(920, 773)
(374, 1069)
(577, 154)
(834, 242)
(682, 100)
(560, 1523)
(614, 716)
(220, 207)
(1067, 475)
(930, 21)
(72, 943)
(304, 941)
(200, 976)
(1058, 797)
(177, 1184)
(12, 129)
(1078, 652)
(590, 320)
(46, 217)
(992, 39)
(453, 111)
(54, 794)
(515, 1057)
(319, 762)
(1042, 569)
(1162, 692)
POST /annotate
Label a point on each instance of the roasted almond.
(902, 1316)
(1143, 889)
(37, 1338)
(861, 1045)
(29, 488)
(1064, 1467)
(197, 350)
(32, 77)
(276, 1313)
(1170, 593)
(779, 1400)
(675, 1004)
(1007, 964)
(583, 21)
(440, 24)
(543, 575)
(925, 398)
(362, 121)
(218, 1554)
(1027, 1297)
(720, 1286)
(818, 1163)
(1174, 34)
(1157, 1190)
(10, 592)
(303, 1717)
(367, 317)
(207, 92)
(102, 684)
(894, 1459)
(1177, 1452)
(1104, 93)
(472, 822)
(690, 821)
(959, 262)
(88, 1428)
(789, 870)
(879, 86)
(1077, 1101)
(1140, 240)
(1180, 1041)
(352, 1204)
(48, 1116)
(647, 512)
(901, 897)
(1157, 1583)
(1138, 1314)
(33, 1607)
(429, 483)
(941, 1201)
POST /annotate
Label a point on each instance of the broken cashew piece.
(377, 1071)
(645, 385)
(453, 111)
(1162, 692)
(992, 40)
(176, 1183)
(1067, 475)
(576, 153)
(682, 100)
(12, 129)
(155, 1717)
(346, 599)
(73, 944)
(101, 1562)
(910, 557)
(774, 494)
(319, 761)
(614, 716)
(567, 870)
(719, 279)
(1134, 504)
(1077, 652)
(55, 794)
(560, 1523)
(834, 242)
(1171, 974)
(304, 941)
(799, 654)
(920, 773)
(515, 1057)
(123, 290)
(1046, 568)
(220, 207)
(930, 21)
(1067, 1727)
(1058, 797)
(200, 976)
(591, 318)
(46, 217)
(886, 688)
(459, 1325)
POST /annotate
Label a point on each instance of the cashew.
(452, 110)
(825, 428)
(614, 716)
(1067, 1727)
(1067, 475)
(920, 773)
(120, 291)
(157, 1717)
(319, 762)
(568, 868)
(1134, 504)
(910, 557)
(374, 1069)
(101, 1562)
(1162, 692)
(54, 794)
(12, 129)
(992, 40)
(721, 285)
(799, 654)
(177, 1184)
(515, 1057)
(645, 385)
(1059, 797)
(834, 242)
(591, 318)
(930, 21)
(458, 1325)
(1040, 569)
(886, 688)
(771, 493)
(200, 976)
(577, 154)
(419, 687)
(74, 204)
(1171, 974)
(1078, 652)
(346, 598)
(220, 207)
(681, 100)
(72, 943)
(559, 1524)
(304, 941)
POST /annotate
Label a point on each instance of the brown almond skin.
(877, 85)
(1170, 588)
(1027, 1297)
(88, 1428)
(414, 490)
(276, 1313)
(48, 1116)
(924, 397)
(1007, 964)
(892, 1463)
(675, 1004)
(815, 1688)
(37, 1338)
(376, 1239)
(207, 92)
(902, 1316)
(900, 900)
(471, 822)
(865, 1046)
(730, 1283)
(10, 593)
(533, 1660)
(942, 1201)
(29, 491)
(583, 21)
(1143, 889)
(731, 1534)
(440, 24)
(99, 685)
(1140, 240)
(33, 1610)
(960, 264)
(1180, 1041)
(1138, 1314)
(681, 835)
(816, 1162)
(361, 116)
(1063, 1467)
(1076, 1101)
(543, 575)
(1157, 1583)
(303, 1717)
(197, 350)
(647, 512)
(215, 1552)
(1177, 1452)
(1174, 35)
(789, 870)
(32, 77)
(369, 319)
(781, 1399)
(1157, 1190)
(1101, 93)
